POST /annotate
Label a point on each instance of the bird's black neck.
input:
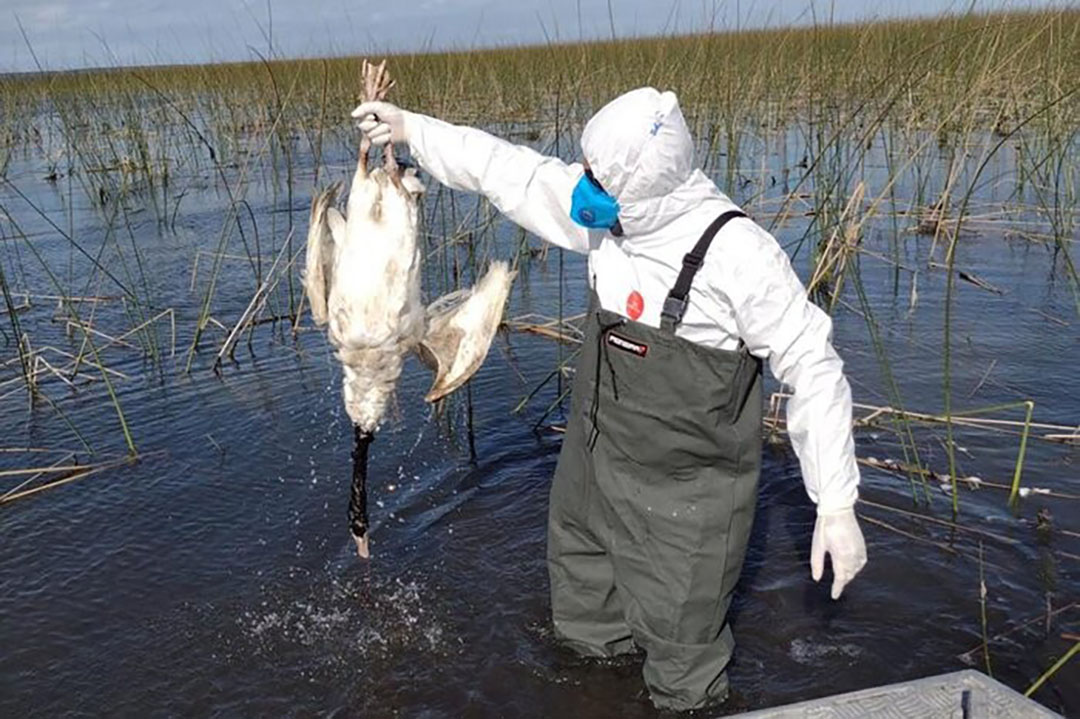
(358, 514)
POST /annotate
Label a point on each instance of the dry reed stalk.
(983, 622)
(969, 277)
(82, 327)
(29, 450)
(909, 535)
(50, 485)
(982, 380)
(54, 371)
(13, 360)
(23, 384)
(976, 422)
(875, 412)
(79, 472)
(155, 318)
(931, 219)
(1042, 616)
(1055, 320)
(842, 243)
(564, 330)
(549, 321)
(84, 360)
(31, 478)
(543, 331)
(886, 260)
(897, 467)
(21, 379)
(940, 522)
(60, 299)
(17, 308)
(52, 469)
(258, 300)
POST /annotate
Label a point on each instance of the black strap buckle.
(674, 308)
(693, 261)
(675, 304)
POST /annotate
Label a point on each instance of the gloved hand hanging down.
(838, 535)
(381, 122)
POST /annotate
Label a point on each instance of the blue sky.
(81, 33)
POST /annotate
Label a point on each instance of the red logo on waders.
(635, 305)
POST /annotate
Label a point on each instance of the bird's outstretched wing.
(319, 258)
(460, 328)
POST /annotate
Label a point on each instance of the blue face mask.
(591, 207)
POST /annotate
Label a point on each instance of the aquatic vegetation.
(149, 222)
(825, 134)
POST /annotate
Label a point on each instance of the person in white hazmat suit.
(653, 496)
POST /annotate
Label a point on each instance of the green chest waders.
(653, 497)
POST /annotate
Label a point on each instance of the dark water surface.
(216, 577)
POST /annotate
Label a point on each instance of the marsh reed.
(826, 132)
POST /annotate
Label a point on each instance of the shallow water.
(216, 575)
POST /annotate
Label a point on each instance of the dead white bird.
(363, 280)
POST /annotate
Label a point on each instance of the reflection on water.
(216, 575)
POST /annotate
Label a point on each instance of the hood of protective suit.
(641, 151)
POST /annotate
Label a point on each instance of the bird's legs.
(390, 164)
(377, 81)
(358, 514)
(377, 84)
(361, 160)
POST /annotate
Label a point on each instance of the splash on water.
(349, 624)
(807, 652)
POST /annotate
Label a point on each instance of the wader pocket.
(671, 407)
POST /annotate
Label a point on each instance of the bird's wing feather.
(461, 326)
(336, 220)
(320, 246)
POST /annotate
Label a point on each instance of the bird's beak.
(362, 546)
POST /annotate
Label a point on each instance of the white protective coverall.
(640, 150)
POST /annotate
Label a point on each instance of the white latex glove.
(838, 535)
(381, 122)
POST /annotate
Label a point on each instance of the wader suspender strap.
(675, 304)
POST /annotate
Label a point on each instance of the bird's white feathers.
(376, 301)
(374, 309)
(460, 327)
(363, 279)
(319, 264)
